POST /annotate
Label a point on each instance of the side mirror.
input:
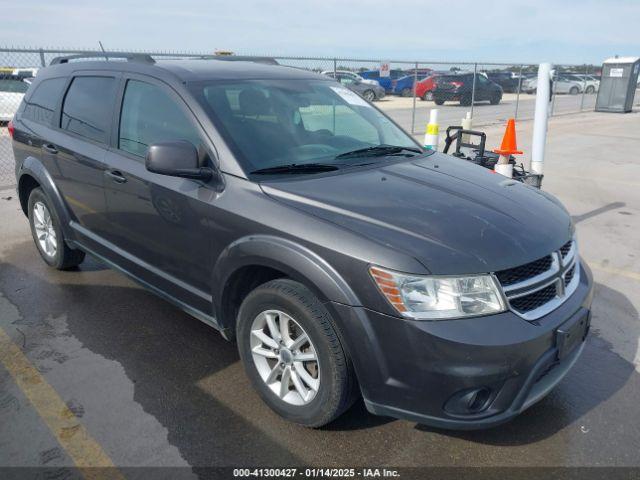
(176, 159)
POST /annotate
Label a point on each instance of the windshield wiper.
(297, 168)
(378, 150)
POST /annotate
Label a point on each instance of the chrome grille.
(536, 288)
(524, 272)
(566, 248)
(534, 300)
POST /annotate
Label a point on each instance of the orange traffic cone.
(509, 145)
(508, 148)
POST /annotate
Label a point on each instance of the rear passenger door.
(77, 147)
(160, 225)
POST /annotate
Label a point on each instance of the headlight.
(439, 297)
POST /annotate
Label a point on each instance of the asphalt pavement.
(117, 376)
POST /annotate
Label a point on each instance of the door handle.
(49, 148)
(115, 176)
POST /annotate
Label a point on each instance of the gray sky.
(481, 30)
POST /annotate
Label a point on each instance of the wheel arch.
(256, 259)
(33, 174)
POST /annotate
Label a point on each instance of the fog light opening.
(479, 399)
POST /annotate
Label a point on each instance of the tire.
(406, 92)
(47, 233)
(438, 101)
(574, 91)
(590, 90)
(369, 95)
(333, 375)
(427, 96)
(495, 99)
(465, 101)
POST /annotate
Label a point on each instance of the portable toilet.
(618, 84)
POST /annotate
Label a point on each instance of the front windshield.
(272, 123)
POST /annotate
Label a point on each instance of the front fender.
(296, 261)
(34, 168)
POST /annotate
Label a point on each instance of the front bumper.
(467, 373)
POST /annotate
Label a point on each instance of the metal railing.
(490, 92)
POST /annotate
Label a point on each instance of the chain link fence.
(490, 93)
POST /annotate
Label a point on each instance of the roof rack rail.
(130, 57)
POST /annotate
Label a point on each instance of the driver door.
(161, 226)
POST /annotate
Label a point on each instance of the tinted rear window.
(41, 104)
(87, 107)
(13, 85)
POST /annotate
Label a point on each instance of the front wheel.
(292, 354)
(406, 92)
(369, 95)
(495, 99)
(427, 96)
(438, 101)
(47, 233)
(590, 90)
(574, 90)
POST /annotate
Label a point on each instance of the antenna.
(103, 51)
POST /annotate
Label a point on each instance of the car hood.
(452, 216)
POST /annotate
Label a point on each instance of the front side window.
(87, 107)
(42, 103)
(150, 116)
(270, 123)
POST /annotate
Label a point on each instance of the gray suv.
(287, 212)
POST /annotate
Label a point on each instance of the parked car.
(282, 209)
(425, 87)
(403, 86)
(350, 74)
(12, 89)
(590, 84)
(507, 80)
(458, 87)
(385, 82)
(369, 91)
(562, 83)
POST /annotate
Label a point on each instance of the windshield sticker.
(350, 97)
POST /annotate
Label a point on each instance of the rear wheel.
(574, 90)
(495, 99)
(590, 89)
(369, 95)
(427, 96)
(438, 101)
(406, 92)
(47, 233)
(292, 354)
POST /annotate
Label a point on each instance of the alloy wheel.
(43, 226)
(285, 357)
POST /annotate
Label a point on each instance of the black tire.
(574, 91)
(64, 257)
(369, 95)
(495, 99)
(406, 92)
(465, 101)
(590, 90)
(336, 391)
(427, 96)
(438, 101)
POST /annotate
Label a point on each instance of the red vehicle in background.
(424, 88)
